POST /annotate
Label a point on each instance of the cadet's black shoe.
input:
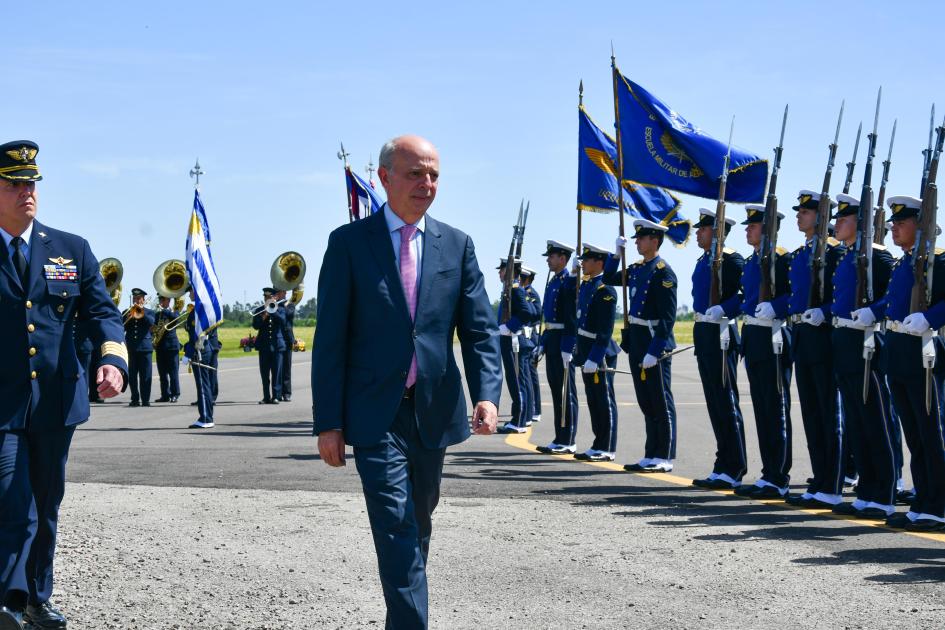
(145, 404)
(10, 620)
(274, 401)
(43, 616)
(702, 483)
(767, 492)
(847, 509)
(898, 520)
(162, 399)
(925, 525)
(905, 497)
(797, 500)
(872, 514)
(264, 401)
(721, 484)
(746, 490)
(287, 399)
(173, 399)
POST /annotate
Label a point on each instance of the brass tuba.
(112, 272)
(287, 273)
(171, 281)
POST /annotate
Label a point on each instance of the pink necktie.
(408, 279)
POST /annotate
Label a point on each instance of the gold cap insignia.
(23, 154)
(843, 205)
(898, 207)
(805, 198)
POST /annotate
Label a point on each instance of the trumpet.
(136, 311)
(270, 307)
(178, 321)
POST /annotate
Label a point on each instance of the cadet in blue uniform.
(766, 345)
(289, 345)
(867, 427)
(711, 332)
(813, 364)
(270, 343)
(560, 306)
(527, 280)
(515, 340)
(138, 323)
(48, 281)
(902, 362)
(597, 353)
(652, 285)
(201, 352)
(167, 353)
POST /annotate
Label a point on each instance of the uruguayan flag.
(203, 275)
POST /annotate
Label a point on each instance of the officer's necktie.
(408, 278)
(19, 261)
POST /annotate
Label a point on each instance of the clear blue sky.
(123, 96)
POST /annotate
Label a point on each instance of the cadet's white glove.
(715, 313)
(575, 266)
(566, 357)
(504, 331)
(621, 243)
(813, 316)
(648, 362)
(764, 310)
(589, 367)
(916, 323)
(864, 316)
(515, 346)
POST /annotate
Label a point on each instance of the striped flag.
(362, 198)
(203, 275)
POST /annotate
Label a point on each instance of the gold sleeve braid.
(115, 348)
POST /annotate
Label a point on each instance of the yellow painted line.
(521, 441)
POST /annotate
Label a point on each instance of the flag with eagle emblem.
(662, 148)
(597, 184)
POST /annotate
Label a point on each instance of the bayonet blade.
(879, 98)
(856, 144)
(783, 126)
(836, 136)
(892, 139)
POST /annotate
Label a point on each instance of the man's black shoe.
(702, 483)
(847, 509)
(797, 500)
(173, 399)
(872, 514)
(905, 497)
(134, 403)
(162, 399)
(721, 484)
(264, 401)
(925, 525)
(767, 492)
(43, 617)
(898, 520)
(287, 399)
(145, 404)
(746, 490)
(274, 401)
(10, 620)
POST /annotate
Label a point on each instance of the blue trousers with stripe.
(602, 405)
(518, 381)
(565, 431)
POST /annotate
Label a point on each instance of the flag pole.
(343, 156)
(566, 385)
(623, 252)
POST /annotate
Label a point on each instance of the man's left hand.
(485, 417)
(109, 380)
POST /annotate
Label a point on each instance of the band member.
(201, 353)
(813, 362)
(167, 353)
(138, 322)
(596, 352)
(766, 345)
(715, 338)
(867, 426)
(652, 285)
(906, 373)
(558, 342)
(516, 345)
(527, 280)
(290, 309)
(48, 280)
(270, 343)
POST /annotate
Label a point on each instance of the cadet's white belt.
(527, 331)
(701, 317)
(757, 321)
(844, 322)
(897, 326)
(649, 323)
(553, 326)
(586, 333)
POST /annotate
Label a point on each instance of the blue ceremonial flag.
(662, 148)
(203, 274)
(362, 198)
(597, 184)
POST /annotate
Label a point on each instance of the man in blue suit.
(393, 289)
(48, 280)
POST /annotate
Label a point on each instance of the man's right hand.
(331, 447)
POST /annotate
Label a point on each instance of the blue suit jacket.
(40, 371)
(364, 339)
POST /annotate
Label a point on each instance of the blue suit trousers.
(32, 484)
(139, 375)
(401, 483)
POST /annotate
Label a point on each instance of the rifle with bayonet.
(718, 247)
(863, 249)
(852, 163)
(879, 213)
(769, 228)
(927, 153)
(923, 260)
(819, 257)
(515, 253)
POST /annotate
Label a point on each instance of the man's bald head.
(409, 169)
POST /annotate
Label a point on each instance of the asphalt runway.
(270, 448)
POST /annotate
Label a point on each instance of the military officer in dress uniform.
(516, 345)
(83, 346)
(903, 363)
(138, 322)
(766, 346)
(559, 309)
(201, 352)
(527, 280)
(716, 350)
(867, 426)
(289, 345)
(48, 280)
(270, 343)
(652, 285)
(597, 353)
(167, 353)
(813, 363)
